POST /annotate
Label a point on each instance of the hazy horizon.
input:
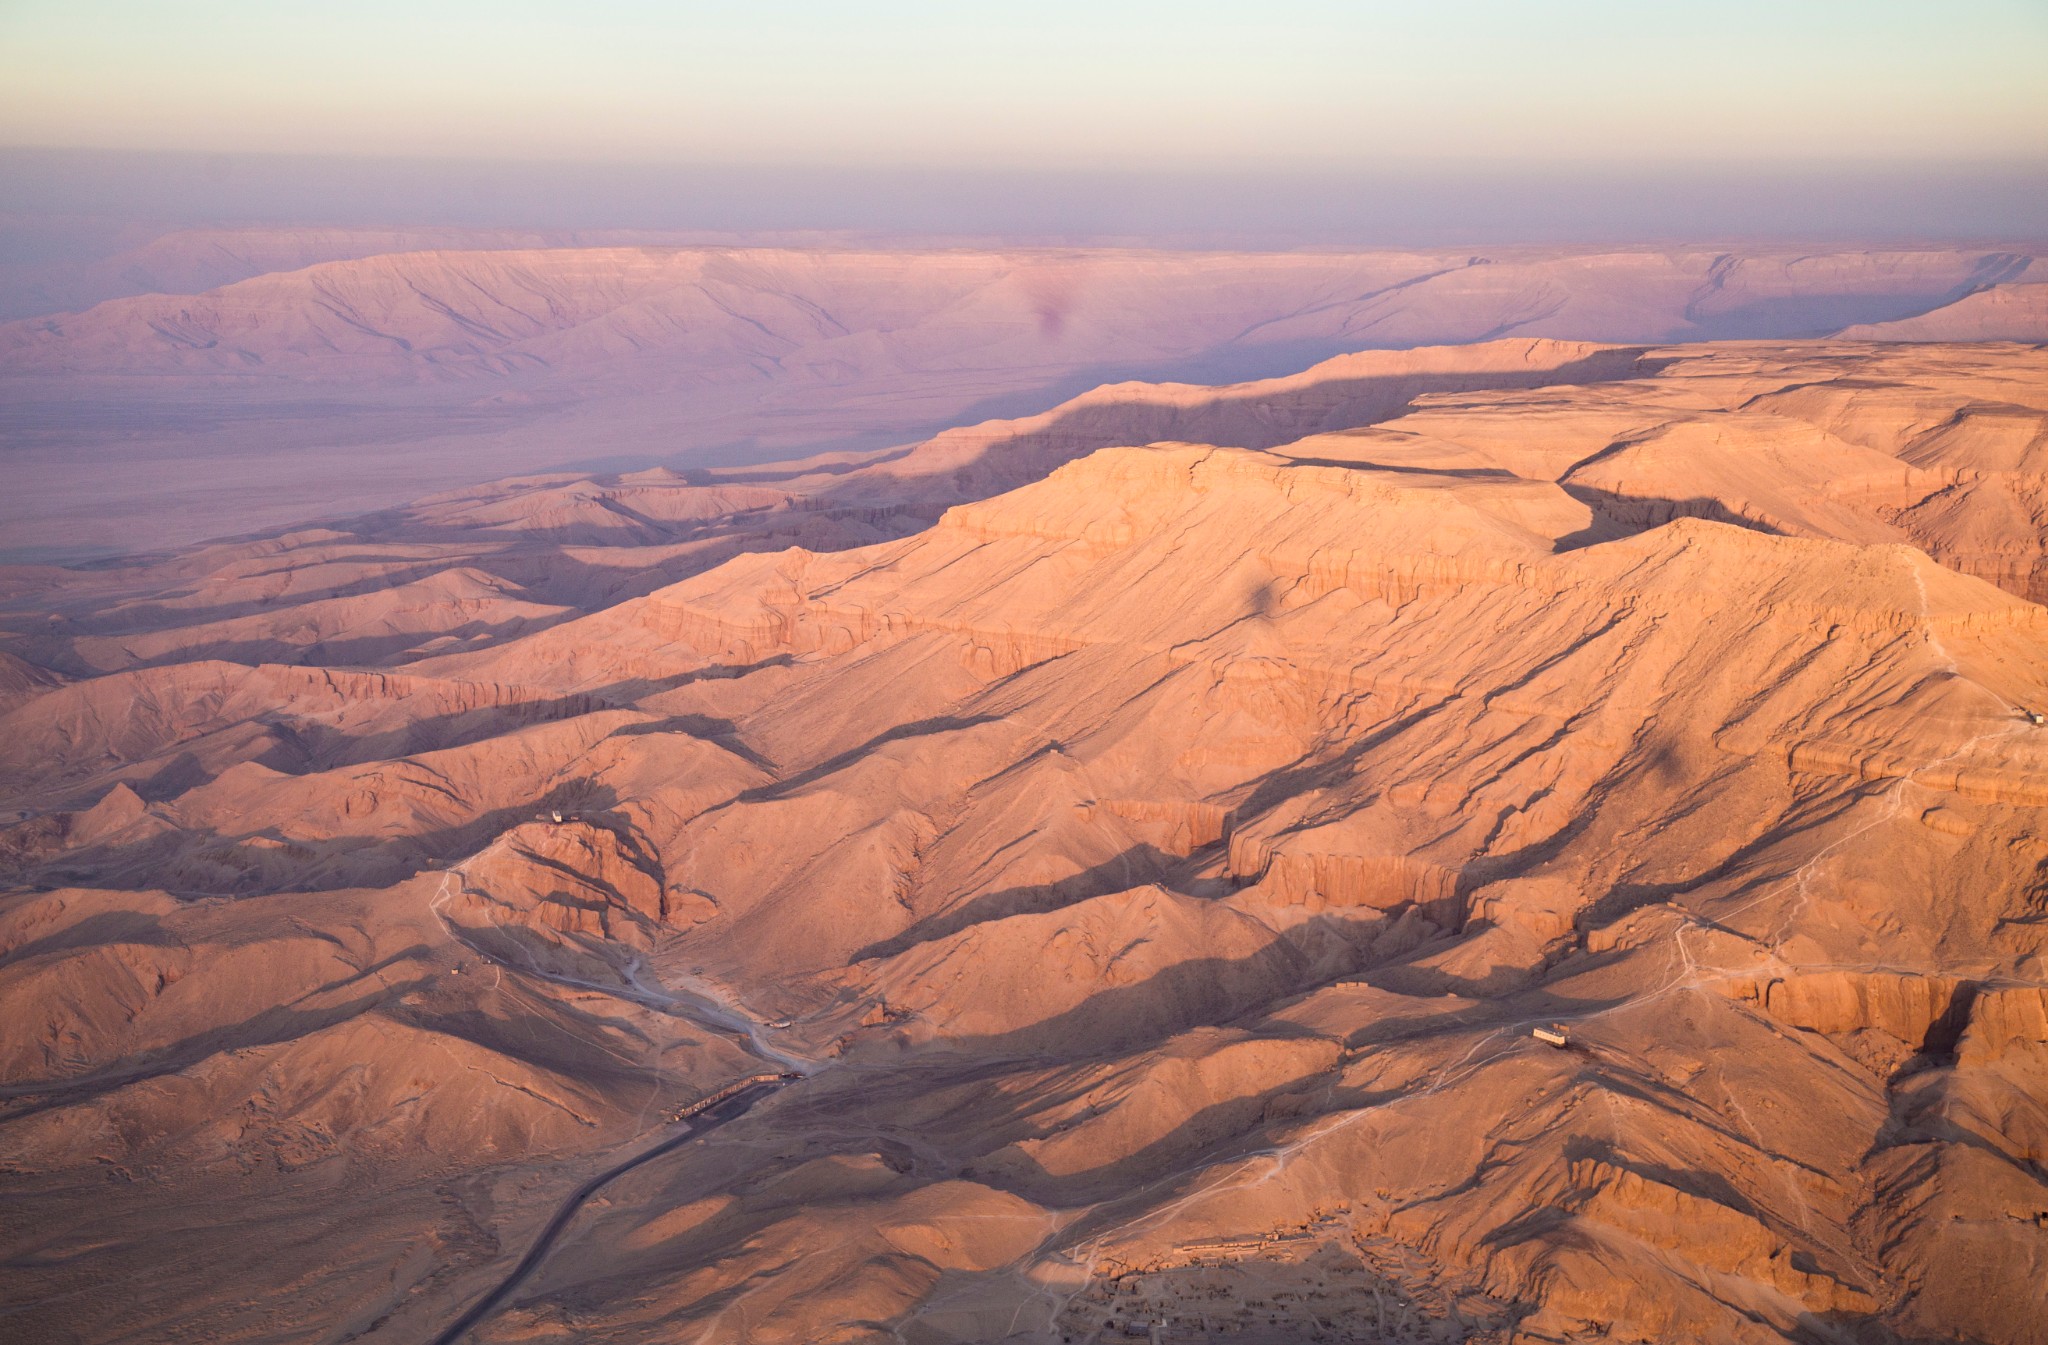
(44, 193)
(1144, 85)
(1309, 123)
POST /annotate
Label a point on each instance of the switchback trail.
(710, 1119)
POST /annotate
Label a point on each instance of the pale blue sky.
(1056, 83)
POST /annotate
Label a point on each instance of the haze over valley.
(361, 382)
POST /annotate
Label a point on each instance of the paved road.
(709, 1120)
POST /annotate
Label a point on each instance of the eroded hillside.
(1143, 837)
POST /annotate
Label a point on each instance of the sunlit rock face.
(1138, 840)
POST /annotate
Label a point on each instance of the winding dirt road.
(710, 1119)
(701, 1009)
